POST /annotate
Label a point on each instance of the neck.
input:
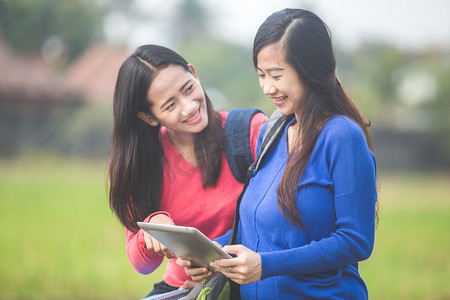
(293, 137)
(298, 114)
(184, 143)
(181, 140)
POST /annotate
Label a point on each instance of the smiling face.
(178, 101)
(280, 81)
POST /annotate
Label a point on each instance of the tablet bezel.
(186, 242)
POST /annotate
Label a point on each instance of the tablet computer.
(186, 242)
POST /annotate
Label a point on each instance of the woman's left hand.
(195, 273)
(188, 285)
(244, 268)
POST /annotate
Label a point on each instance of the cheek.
(261, 83)
(303, 93)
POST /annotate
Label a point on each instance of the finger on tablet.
(183, 262)
(167, 253)
(188, 284)
(148, 242)
(157, 246)
(198, 274)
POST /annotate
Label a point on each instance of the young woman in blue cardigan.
(308, 215)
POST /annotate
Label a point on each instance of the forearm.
(143, 260)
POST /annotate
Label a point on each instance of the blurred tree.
(52, 27)
(406, 94)
(191, 22)
(371, 73)
(438, 106)
(225, 69)
(227, 74)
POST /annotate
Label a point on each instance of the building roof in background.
(31, 79)
(94, 73)
(27, 78)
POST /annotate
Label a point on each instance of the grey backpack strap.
(275, 127)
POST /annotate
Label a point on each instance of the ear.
(150, 120)
(191, 66)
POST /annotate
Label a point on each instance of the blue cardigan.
(337, 199)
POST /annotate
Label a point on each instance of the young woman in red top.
(167, 161)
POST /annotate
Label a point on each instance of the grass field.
(59, 239)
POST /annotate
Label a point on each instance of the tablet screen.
(186, 242)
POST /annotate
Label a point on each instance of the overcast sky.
(414, 24)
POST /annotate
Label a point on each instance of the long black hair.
(306, 45)
(136, 154)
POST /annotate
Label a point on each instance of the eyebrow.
(271, 69)
(171, 98)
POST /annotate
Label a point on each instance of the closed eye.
(170, 106)
(189, 89)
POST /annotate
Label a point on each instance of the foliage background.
(58, 237)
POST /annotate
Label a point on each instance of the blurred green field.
(59, 239)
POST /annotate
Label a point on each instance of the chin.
(204, 126)
(284, 111)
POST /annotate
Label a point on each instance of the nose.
(188, 106)
(268, 87)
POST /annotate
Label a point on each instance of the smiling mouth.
(193, 117)
(280, 99)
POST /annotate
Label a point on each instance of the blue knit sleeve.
(352, 169)
(223, 240)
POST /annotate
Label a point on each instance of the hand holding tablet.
(186, 242)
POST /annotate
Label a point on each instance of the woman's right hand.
(153, 244)
(195, 273)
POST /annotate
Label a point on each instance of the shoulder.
(165, 141)
(244, 118)
(258, 120)
(341, 127)
(340, 133)
(342, 143)
(255, 114)
(163, 136)
(223, 116)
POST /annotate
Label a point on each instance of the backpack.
(237, 146)
(237, 130)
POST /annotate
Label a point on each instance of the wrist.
(161, 212)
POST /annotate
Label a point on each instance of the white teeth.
(193, 117)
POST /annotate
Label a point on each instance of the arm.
(145, 253)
